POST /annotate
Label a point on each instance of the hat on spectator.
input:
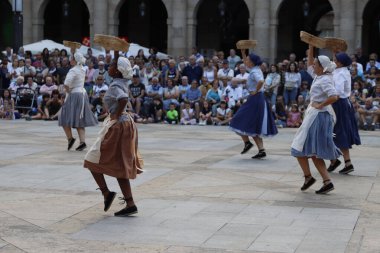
(327, 65)
(124, 66)
(255, 59)
(344, 59)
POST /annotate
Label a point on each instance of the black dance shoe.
(308, 183)
(127, 211)
(108, 201)
(347, 169)
(71, 143)
(247, 147)
(81, 146)
(333, 166)
(260, 155)
(325, 188)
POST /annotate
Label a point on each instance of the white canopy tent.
(51, 45)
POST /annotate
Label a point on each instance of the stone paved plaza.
(198, 194)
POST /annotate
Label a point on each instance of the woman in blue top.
(254, 118)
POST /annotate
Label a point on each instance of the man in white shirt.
(242, 79)
(225, 73)
(233, 95)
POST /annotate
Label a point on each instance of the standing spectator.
(233, 59)
(140, 55)
(90, 57)
(305, 76)
(137, 92)
(272, 81)
(225, 73)
(46, 56)
(193, 71)
(292, 83)
(5, 75)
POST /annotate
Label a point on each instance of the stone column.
(273, 40)
(27, 25)
(347, 23)
(177, 29)
(100, 17)
(260, 28)
(191, 34)
(37, 22)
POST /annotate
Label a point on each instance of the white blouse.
(75, 79)
(342, 82)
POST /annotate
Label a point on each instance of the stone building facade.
(177, 25)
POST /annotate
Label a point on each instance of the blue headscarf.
(255, 59)
(344, 59)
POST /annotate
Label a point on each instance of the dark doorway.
(295, 16)
(66, 20)
(371, 28)
(144, 22)
(220, 24)
(6, 28)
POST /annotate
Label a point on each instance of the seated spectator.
(372, 62)
(172, 72)
(51, 70)
(376, 94)
(29, 70)
(53, 106)
(172, 114)
(30, 84)
(233, 95)
(301, 104)
(223, 115)
(41, 110)
(205, 116)
(356, 106)
(7, 106)
(183, 88)
(187, 115)
(369, 113)
(137, 91)
(99, 86)
(19, 83)
(48, 87)
(193, 97)
(305, 91)
(98, 108)
(171, 95)
(101, 71)
(204, 88)
(213, 96)
(372, 75)
(356, 92)
(155, 112)
(280, 113)
(225, 73)
(153, 91)
(294, 117)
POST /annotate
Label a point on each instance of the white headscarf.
(79, 58)
(124, 66)
(327, 65)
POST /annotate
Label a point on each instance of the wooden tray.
(333, 44)
(71, 44)
(246, 44)
(111, 42)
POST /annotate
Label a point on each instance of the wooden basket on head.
(111, 42)
(246, 44)
(336, 44)
(333, 44)
(71, 44)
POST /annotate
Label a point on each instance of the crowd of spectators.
(184, 90)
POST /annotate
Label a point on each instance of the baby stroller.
(26, 100)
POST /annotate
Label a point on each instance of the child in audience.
(294, 117)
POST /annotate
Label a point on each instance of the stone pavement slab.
(198, 194)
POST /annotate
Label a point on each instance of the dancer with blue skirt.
(314, 139)
(254, 118)
(346, 128)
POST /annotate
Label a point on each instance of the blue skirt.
(254, 118)
(346, 128)
(319, 141)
